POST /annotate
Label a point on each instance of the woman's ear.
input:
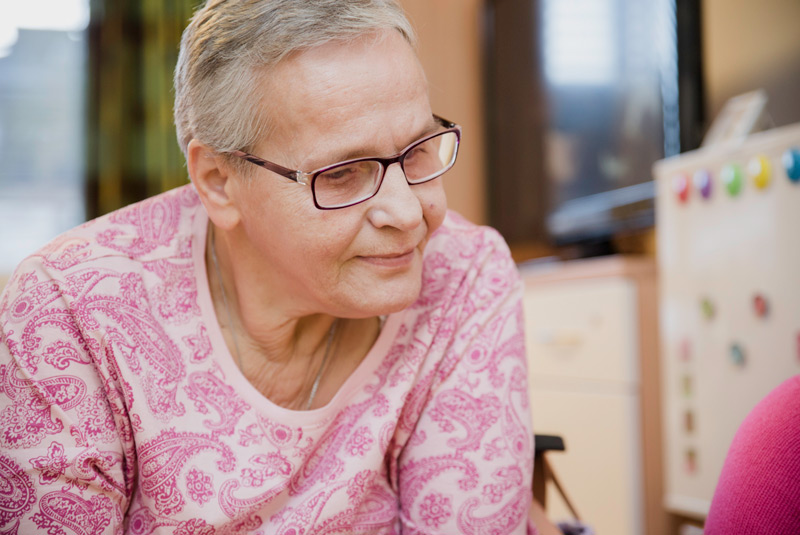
(214, 183)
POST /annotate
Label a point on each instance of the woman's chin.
(381, 290)
(388, 298)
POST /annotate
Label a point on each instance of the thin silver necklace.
(329, 344)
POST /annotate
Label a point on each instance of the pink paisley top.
(122, 410)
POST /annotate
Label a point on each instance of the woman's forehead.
(377, 138)
(339, 77)
(348, 100)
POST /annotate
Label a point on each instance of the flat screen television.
(621, 82)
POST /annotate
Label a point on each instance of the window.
(42, 123)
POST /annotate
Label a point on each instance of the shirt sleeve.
(467, 466)
(758, 491)
(61, 422)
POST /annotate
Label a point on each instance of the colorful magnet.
(760, 170)
(686, 384)
(798, 347)
(761, 306)
(691, 461)
(737, 355)
(686, 350)
(702, 181)
(688, 421)
(791, 162)
(680, 184)
(707, 307)
(733, 179)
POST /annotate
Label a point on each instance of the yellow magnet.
(760, 170)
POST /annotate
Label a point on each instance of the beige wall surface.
(450, 48)
(748, 45)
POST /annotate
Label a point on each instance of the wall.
(749, 45)
(746, 45)
(450, 42)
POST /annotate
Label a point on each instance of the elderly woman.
(303, 340)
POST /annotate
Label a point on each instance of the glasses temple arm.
(291, 174)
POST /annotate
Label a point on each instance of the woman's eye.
(416, 152)
(340, 173)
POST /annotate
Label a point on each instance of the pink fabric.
(758, 491)
(121, 409)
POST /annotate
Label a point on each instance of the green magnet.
(733, 178)
(708, 308)
(687, 386)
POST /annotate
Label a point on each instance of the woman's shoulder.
(140, 250)
(157, 227)
(757, 491)
(465, 242)
(464, 260)
(460, 248)
(778, 414)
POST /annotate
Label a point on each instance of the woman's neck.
(282, 353)
(249, 311)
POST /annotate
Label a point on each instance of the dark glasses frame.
(309, 179)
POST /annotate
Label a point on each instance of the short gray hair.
(229, 44)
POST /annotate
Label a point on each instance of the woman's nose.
(396, 204)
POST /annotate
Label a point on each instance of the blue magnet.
(737, 355)
(791, 162)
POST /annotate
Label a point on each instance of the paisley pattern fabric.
(122, 410)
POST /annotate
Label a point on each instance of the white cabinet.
(729, 259)
(590, 330)
(583, 330)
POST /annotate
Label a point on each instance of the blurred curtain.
(133, 151)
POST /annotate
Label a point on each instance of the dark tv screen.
(621, 82)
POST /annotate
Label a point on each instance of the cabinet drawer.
(582, 329)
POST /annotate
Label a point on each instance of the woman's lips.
(391, 260)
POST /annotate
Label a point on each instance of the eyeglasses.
(354, 181)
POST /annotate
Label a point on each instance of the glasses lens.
(346, 184)
(431, 158)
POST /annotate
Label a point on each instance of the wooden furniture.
(591, 330)
(729, 299)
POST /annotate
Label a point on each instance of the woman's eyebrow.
(429, 128)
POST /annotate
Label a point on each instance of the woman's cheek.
(435, 208)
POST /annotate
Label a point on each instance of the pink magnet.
(761, 306)
(691, 461)
(686, 350)
(680, 183)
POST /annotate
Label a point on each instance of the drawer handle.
(560, 339)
